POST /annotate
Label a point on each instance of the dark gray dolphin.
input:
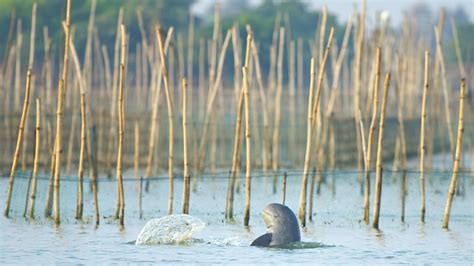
(282, 226)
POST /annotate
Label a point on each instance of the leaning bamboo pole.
(18, 47)
(189, 67)
(312, 113)
(24, 114)
(229, 211)
(378, 179)
(368, 158)
(276, 129)
(248, 163)
(121, 121)
(422, 136)
(36, 160)
(154, 129)
(444, 85)
(199, 165)
(309, 134)
(359, 45)
(49, 193)
(258, 75)
(169, 101)
(113, 107)
(80, 170)
(186, 185)
(452, 185)
(31, 57)
(59, 113)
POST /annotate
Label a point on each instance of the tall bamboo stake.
(113, 107)
(121, 120)
(189, 70)
(422, 136)
(403, 193)
(258, 74)
(276, 130)
(169, 101)
(309, 134)
(210, 106)
(80, 170)
(18, 45)
(186, 186)
(31, 58)
(378, 180)
(49, 193)
(248, 172)
(154, 129)
(229, 213)
(368, 158)
(61, 91)
(36, 159)
(357, 79)
(312, 107)
(18, 144)
(445, 88)
(452, 185)
(136, 163)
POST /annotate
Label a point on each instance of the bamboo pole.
(49, 193)
(276, 130)
(265, 142)
(36, 159)
(169, 101)
(368, 158)
(359, 39)
(31, 57)
(136, 163)
(452, 185)
(24, 114)
(378, 180)
(229, 213)
(113, 107)
(248, 172)
(210, 107)
(312, 108)
(189, 70)
(403, 193)
(422, 136)
(445, 88)
(18, 46)
(80, 170)
(186, 186)
(309, 134)
(311, 194)
(121, 120)
(61, 92)
(154, 129)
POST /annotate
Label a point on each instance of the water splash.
(171, 229)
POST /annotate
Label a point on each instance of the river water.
(335, 236)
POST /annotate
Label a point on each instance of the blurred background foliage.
(296, 15)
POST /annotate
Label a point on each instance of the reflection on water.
(336, 236)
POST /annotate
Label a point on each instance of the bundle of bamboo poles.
(345, 90)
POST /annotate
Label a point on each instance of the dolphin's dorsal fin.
(262, 241)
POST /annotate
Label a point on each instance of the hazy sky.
(343, 8)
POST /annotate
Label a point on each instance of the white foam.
(170, 229)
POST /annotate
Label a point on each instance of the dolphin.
(282, 227)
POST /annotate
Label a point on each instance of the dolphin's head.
(281, 222)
